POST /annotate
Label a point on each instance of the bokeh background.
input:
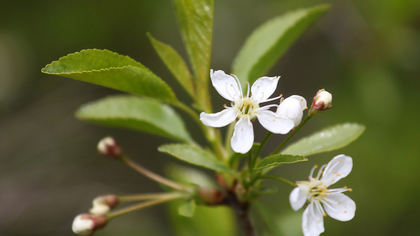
(366, 52)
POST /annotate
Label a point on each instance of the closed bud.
(211, 196)
(103, 204)
(108, 147)
(87, 224)
(321, 102)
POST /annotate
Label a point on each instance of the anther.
(350, 190)
(340, 160)
(339, 203)
(324, 214)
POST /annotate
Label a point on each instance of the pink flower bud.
(108, 147)
(321, 102)
(87, 224)
(102, 204)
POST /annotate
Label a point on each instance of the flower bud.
(321, 102)
(211, 196)
(87, 224)
(108, 147)
(102, 204)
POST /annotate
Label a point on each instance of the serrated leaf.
(187, 209)
(132, 112)
(108, 69)
(326, 140)
(175, 64)
(270, 41)
(195, 18)
(278, 159)
(196, 156)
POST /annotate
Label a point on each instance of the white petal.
(302, 101)
(291, 109)
(298, 197)
(339, 167)
(263, 88)
(340, 206)
(219, 119)
(274, 123)
(226, 85)
(312, 220)
(243, 136)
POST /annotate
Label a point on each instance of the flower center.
(246, 107)
(317, 191)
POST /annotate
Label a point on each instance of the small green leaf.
(187, 209)
(175, 64)
(326, 140)
(270, 41)
(278, 159)
(111, 70)
(131, 112)
(195, 18)
(196, 156)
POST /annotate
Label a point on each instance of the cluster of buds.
(321, 102)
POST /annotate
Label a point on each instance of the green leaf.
(195, 18)
(278, 159)
(270, 41)
(175, 64)
(111, 70)
(326, 140)
(187, 209)
(196, 156)
(132, 112)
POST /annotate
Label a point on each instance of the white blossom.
(246, 109)
(315, 192)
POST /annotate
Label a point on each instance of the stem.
(210, 134)
(168, 197)
(154, 176)
(267, 136)
(141, 197)
(290, 136)
(279, 179)
(229, 133)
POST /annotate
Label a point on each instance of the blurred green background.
(367, 53)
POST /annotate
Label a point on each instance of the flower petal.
(243, 136)
(219, 119)
(274, 123)
(340, 206)
(298, 197)
(226, 85)
(302, 101)
(339, 167)
(264, 87)
(291, 109)
(312, 220)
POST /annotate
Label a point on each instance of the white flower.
(246, 109)
(336, 204)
